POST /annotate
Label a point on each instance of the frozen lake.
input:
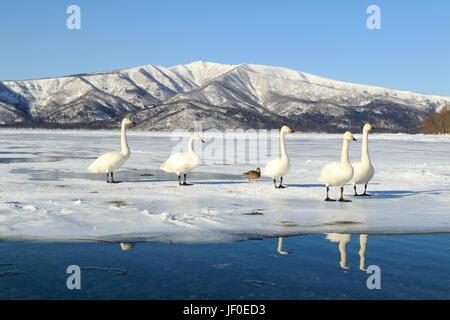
(46, 192)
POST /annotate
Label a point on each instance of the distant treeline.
(38, 124)
(437, 123)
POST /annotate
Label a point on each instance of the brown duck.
(252, 174)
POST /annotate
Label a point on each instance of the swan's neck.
(191, 146)
(283, 152)
(344, 155)
(365, 148)
(123, 140)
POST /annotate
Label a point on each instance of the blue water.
(412, 267)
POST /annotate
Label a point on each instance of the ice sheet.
(46, 192)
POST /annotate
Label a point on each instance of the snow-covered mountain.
(223, 96)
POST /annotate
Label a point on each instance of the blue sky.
(326, 38)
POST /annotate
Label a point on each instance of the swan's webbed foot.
(184, 181)
(365, 194)
(342, 196)
(345, 267)
(275, 183)
(110, 178)
(328, 198)
(280, 186)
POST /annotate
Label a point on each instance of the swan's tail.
(96, 167)
(322, 179)
(92, 168)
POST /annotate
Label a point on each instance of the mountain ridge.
(223, 96)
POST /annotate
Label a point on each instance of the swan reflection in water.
(343, 239)
(126, 246)
(280, 247)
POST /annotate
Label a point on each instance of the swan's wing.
(336, 173)
(176, 159)
(362, 173)
(178, 162)
(106, 162)
(328, 171)
(271, 167)
(356, 165)
(357, 172)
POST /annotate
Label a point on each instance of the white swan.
(277, 168)
(337, 174)
(183, 162)
(363, 171)
(110, 161)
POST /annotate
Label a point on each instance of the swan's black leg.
(111, 179)
(342, 196)
(281, 184)
(107, 177)
(365, 194)
(354, 188)
(328, 198)
(179, 179)
(185, 183)
(275, 183)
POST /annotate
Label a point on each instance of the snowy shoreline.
(47, 194)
